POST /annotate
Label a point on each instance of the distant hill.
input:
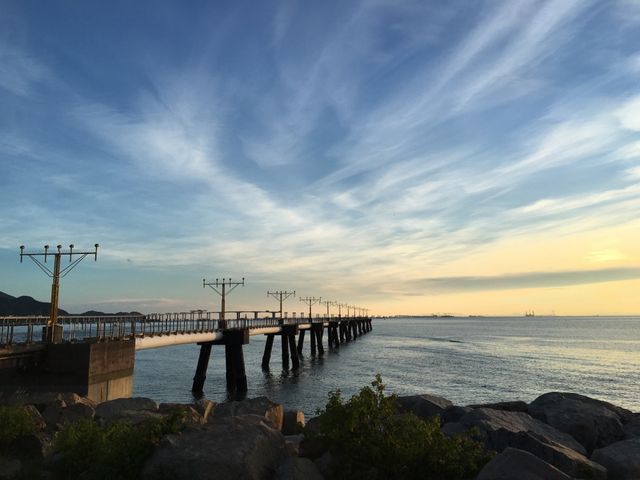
(10, 305)
(24, 305)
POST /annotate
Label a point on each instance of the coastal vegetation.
(14, 422)
(115, 451)
(372, 440)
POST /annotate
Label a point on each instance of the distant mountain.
(95, 313)
(24, 305)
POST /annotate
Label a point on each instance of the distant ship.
(530, 314)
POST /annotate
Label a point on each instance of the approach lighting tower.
(281, 296)
(328, 303)
(56, 274)
(310, 301)
(220, 287)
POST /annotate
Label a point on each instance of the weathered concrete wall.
(101, 371)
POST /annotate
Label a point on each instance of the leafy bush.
(371, 440)
(117, 451)
(14, 422)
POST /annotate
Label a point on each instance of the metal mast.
(310, 301)
(220, 287)
(328, 303)
(56, 274)
(281, 296)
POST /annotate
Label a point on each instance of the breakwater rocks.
(557, 436)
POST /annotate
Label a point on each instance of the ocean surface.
(467, 360)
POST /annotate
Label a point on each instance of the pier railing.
(28, 329)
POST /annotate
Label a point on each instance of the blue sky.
(382, 153)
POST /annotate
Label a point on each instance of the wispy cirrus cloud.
(525, 280)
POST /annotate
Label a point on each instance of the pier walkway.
(104, 346)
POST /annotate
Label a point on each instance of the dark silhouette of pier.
(88, 348)
(94, 355)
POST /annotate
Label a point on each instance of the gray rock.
(632, 427)
(592, 422)
(454, 413)
(622, 459)
(452, 429)
(294, 468)
(236, 447)
(191, 416)
(114, 408)
(424, 406)
(134, 417)
(292, 443)
(569, 461)
(76, 412)
(36, 417)
(262, 406)
(512, 406)
(514, 464)
(205, 408)
(490, 422)
(293, 420)
(52, 414)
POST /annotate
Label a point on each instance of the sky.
(409, 157)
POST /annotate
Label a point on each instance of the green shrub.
(14, 422)
(371, 440)
(117, 451)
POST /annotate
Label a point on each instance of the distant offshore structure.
(530, 313)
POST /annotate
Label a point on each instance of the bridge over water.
(94, 355)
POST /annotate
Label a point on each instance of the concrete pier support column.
(201, 369)
(266, 356)
(342, 336)
(300, 342)
(319, 329)
(285, 351)
(313, 341)
(99, 370)
(295, 360)
(234, 356)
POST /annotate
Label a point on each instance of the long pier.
(94, 355)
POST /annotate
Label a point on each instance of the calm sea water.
(467, 360)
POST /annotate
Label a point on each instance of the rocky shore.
(557, 436)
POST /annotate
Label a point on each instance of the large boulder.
(236, 447)
(491, 422)
(190, 414)
(511, 406)
(114, 408)
(594, 423)
(568, 461)
(632, 427)
(294, 468)
(205, 408)
(424, 406)
(514, 464)
(262, 406)
(454, 413)
(292, 422)
(622, 459)
(502, 429)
